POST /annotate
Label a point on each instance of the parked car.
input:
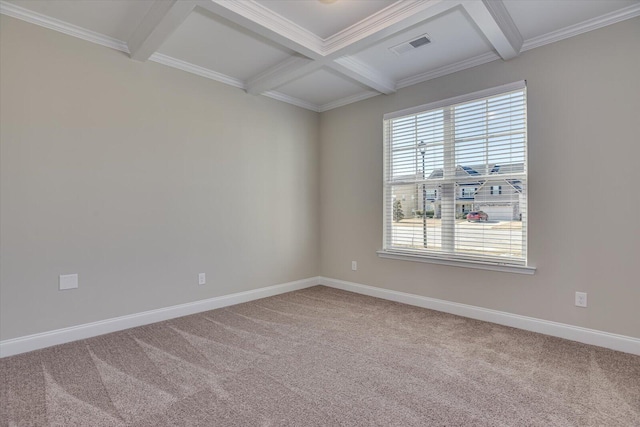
(477, 216)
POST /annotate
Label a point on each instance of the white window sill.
(519, 269)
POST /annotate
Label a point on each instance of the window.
(467, 149)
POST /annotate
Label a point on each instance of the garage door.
(499, 213)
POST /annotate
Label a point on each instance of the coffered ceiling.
(318, 54)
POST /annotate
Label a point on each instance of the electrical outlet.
(581, 299)
(67, 281)
(354, 265)
(202, 279)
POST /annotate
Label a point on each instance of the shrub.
(428, 213)
(398, 214)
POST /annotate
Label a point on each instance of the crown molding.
(358, 70)
(448, 69)
(406, 12)
(196, 69)
(382, 22)
(348, 100)
(532, 43)
(281, 73)
(583, 27)
(23, 14)
(222, 78)
(291, 100)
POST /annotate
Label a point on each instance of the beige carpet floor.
(321, 357)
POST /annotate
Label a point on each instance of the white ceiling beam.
(162, 19)
(297, 66)
(273, 27)
(396, 18)
(281, 73)
(362, 73)
(337, 51)
(266, 23)
(493, 19)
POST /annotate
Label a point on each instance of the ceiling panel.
(325, 19)
(234, 49)
(117, 19)
(211, 42)
(453, 38)
(321, 87)
(534, 17)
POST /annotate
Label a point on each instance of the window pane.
(476, 208)
(495, 230)
(414, 214)
(417, 146)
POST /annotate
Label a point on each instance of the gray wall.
(584, 158)
(138, 177)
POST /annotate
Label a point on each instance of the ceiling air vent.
(411, 45)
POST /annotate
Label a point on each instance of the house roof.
(472, 170)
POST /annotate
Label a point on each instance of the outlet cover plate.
(68, 281)
(581, 299)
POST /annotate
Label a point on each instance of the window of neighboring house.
(452, 143)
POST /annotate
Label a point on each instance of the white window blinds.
(456, 178)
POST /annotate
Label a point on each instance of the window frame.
(445, 258)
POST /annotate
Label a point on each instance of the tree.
(398, 214)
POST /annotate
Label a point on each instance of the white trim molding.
(561, 330)
(295, 66)
(346, 101)
(457, 99)
(494, 21)
(262, 20)
(448, 69)
(359, 71)
(291, 100)
(395, 18)
(332, 51)
(179, 64)
(27, 15)
(493, 266)
(27, 343)
(583, 27)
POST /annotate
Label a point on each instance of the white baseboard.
(575, 333)
(561, 330)
(60, 336)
